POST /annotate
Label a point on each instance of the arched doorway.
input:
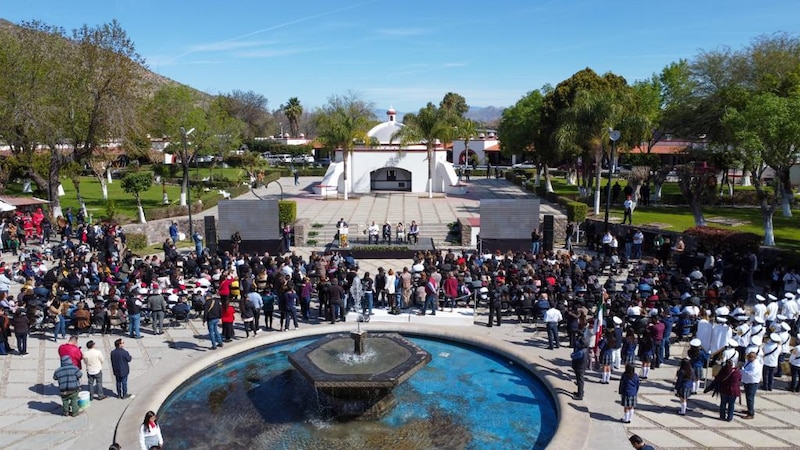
(390, 179)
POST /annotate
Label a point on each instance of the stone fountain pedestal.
(359, 384)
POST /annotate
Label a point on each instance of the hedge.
(724, 241)
(287, 211)
(576, 211)
(136, 241)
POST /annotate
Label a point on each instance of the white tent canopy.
(5, 207)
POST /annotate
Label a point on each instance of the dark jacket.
(20, 324)
(119, 362)
(729, 380)
(212, 310)
(629, 386)
(68, 376)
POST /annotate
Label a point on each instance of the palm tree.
(428, 125)
(586, 125)
(293, 111)
(342, 123)
(467, 130)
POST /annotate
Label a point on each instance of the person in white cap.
(786, 346)
(742, 336)
(698, 358)
(752, 373)
(758, 328)
(794, 364)
(789, 308)
(760, 309)
(730, 352)
(772, 309)
(772, 350)
(616, 356)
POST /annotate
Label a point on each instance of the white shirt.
(759, 311)
(94, 360)
(373, 230)
(772, 311)
(751, 372)
(638, 237)
(790, 309)
(771, 354)
(553, 315)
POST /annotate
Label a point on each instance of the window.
(391, 176)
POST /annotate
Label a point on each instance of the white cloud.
(227, 45)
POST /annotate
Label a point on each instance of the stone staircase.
(437, 231)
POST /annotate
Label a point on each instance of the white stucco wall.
(362, 163)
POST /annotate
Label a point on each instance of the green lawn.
(748, 219)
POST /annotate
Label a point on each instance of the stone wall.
(158, 230)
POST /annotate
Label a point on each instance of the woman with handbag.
(728, 382)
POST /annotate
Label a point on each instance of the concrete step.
(438, 232)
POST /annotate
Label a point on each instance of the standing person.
(629, 389)
(638, 240)
(228, 316)
(628, 215)
(368, 287)
(286, 232)
(198, 243)
(150, 432)
(5, 325)
(646, 350)
(336, 305)
(69, 385)
(536, 241)
(120, 365)
(450, 289)
(21, 330)
(71, 349)
(684, 384)
(268, 300)
(296, 175)
(405, 280)
(606, 346)
(698, 358)
(616, 358)
(656, 330)
(578, 357)
(794, 363)
(772, 350)
(729, 382)
(94, 360)
(431, 293)
(135, 316)
(552, 317)
(212, 312)
(58, 311)
(751, 377)
(247, 311)
(570, 232)
(236, 241)
(288, 305)
(173, 232)
(158, 307)
(257, 303)
(305, 299)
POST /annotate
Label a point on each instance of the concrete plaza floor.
(30, 408)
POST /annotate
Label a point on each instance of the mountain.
(485, 114)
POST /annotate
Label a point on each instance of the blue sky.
(407, 53)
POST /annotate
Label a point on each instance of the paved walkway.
(30, 407)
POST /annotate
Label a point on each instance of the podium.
(343, 237)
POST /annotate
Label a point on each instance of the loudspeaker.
(548, 233)
(211, 233)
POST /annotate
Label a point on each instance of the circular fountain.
(447, 395)
(359, 384)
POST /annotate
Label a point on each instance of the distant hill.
(485, 114)
(489, 115)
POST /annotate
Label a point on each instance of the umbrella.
(5, 207)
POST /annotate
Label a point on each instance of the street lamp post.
(614, 136)
(185, 163)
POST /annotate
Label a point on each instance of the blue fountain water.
(465, 398)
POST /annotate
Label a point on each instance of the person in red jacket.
(729, 381)
(71, 349)
(228, 317)
(450, 288)
(224, 290)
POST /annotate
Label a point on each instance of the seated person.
(413, 232)
(373, 233)
(181, 309)
(387, 232)
(401, 232)
(83, 318)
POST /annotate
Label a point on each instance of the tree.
(343, 121)
(135, 183)
(454, 104)
(428, 125)
(520, 125)
(251, 109)
(293, 111)
(768, 127)
(467, 129)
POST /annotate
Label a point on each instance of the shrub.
(576, 211)
(313, 233)
(311, 242)
(724, 241)
(136, 241)
(287, 211)
(317, 225)
(111, 210)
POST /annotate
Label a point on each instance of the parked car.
(524, 165)
(303, 159)
(323, 162)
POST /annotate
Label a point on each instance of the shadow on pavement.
(51, 407)
(183, 345)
